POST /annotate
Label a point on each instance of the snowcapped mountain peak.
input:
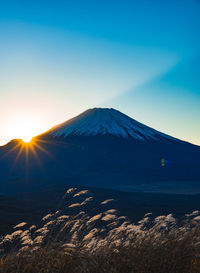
(105, 121)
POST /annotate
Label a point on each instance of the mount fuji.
(101, 147)
(107, 121)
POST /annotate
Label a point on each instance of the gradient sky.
(58, 58)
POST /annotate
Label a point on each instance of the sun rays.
(35, 148)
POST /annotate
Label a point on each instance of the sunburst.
(25, 148)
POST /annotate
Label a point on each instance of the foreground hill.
(32, 206)
(89, 235)
(101, 148)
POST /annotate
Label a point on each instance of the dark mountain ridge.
(99, 148)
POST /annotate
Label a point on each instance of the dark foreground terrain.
(30, 207)
(85, 233)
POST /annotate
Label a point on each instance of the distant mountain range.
(100, 148)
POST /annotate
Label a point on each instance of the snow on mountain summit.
(105, 121)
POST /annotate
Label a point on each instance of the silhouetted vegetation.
(102, 242)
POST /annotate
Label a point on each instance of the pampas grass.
(81, 241)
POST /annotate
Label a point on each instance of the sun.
(25, 128)
(27, 139)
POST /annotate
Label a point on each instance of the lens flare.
(163, 162)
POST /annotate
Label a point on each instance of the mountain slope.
(106, 121)
(99, 148)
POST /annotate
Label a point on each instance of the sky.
(59, 58)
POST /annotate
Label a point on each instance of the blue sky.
(61, 57)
